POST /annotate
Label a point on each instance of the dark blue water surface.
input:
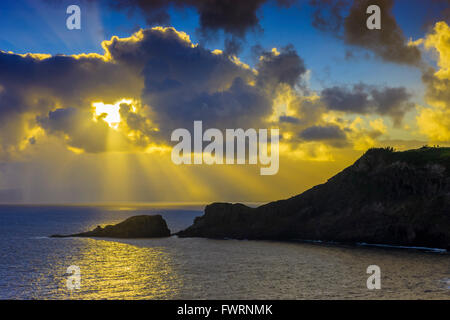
(34, 266)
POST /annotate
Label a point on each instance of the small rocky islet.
(142, 226)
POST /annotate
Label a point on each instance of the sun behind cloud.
(110, 113)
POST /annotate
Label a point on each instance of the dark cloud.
(233, 46)
(389, 42)
(78, 129)
(241, 105)
(364, 99)
(183, 83)
(437, 88)
(233, 17)
(168, 61)
(285, 67)
(330, 134)
(342, 99)
(328, 15)
(289, 119)
(393, 102)
(144, 130)
(347, 20)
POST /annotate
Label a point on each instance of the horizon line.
(127, 203)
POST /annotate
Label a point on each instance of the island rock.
(143, 226)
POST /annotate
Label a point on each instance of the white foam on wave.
(401, 247)
(437, 250)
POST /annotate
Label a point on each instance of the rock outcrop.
(143, 226)
(385, 197)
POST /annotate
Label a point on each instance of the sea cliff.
(385, 197)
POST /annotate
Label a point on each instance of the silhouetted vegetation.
(424, 155)
(421, 156)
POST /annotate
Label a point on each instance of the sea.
(35, 266)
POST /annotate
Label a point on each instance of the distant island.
(143, 226)
(385, 197)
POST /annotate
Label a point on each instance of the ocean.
(34, 266)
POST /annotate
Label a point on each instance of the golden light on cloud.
(110, 112)
(309, 151)
(433, 121)
(284, 103)
(439, 40)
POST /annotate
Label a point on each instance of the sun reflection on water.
(114, 270)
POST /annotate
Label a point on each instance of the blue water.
(34, 266)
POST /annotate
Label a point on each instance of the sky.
(86, 115)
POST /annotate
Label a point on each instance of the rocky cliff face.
(385, 197)
(143, 226)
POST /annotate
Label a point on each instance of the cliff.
(143, 226)
(385, 197)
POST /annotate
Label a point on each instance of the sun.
(111, 112)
